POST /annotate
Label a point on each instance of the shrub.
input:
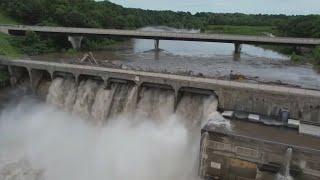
(295, 57)
(32, 44)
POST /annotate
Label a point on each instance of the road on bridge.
(237, 39)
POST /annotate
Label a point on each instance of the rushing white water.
(284, 173)
(101, 105)
(191, 109)
(85, 98)
(57, 94)
(156, 104)
(139, 142)
(62, 93)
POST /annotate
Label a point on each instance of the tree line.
(104, 14)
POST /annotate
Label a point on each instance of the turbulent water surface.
(88, 132)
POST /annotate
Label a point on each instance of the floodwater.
(214, 60)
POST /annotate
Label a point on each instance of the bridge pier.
(236, 56)
(297, 49)
(237, 48)
(75, 41)
(156, 44)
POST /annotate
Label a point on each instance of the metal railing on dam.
(241, 39)
(269, 100)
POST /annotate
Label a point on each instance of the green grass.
(243, 30)
(6, 46)
(5, 19)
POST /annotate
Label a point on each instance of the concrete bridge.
(268, 100)
(75, 36)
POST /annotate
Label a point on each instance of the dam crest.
(279, 102)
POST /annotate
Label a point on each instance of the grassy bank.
(243, 30)
(7, 47)
(4, 19)
(250, 31)
(311, 57)
(35, 44)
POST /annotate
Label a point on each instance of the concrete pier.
(156, 45)
(237, 48)
(75, 41)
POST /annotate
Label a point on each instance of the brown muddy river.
(210, 59)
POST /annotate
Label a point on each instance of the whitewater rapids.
(87, 132)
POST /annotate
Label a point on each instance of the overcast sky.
(242, 6)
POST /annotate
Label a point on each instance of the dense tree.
(88, 13)
(104, 14)
(302, 26)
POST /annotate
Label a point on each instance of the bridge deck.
(167, 35)
(226, 83)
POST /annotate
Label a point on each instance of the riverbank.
(7, 48)
(270, 31)
(306, 56)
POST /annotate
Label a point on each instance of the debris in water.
(89, 58)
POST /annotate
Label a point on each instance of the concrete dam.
(158, 118)
(155, 138)
(265, 100)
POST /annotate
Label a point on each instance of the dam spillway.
(266, 100)
(86, 125)
(92, 100)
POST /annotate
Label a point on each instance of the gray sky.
(242, 6)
